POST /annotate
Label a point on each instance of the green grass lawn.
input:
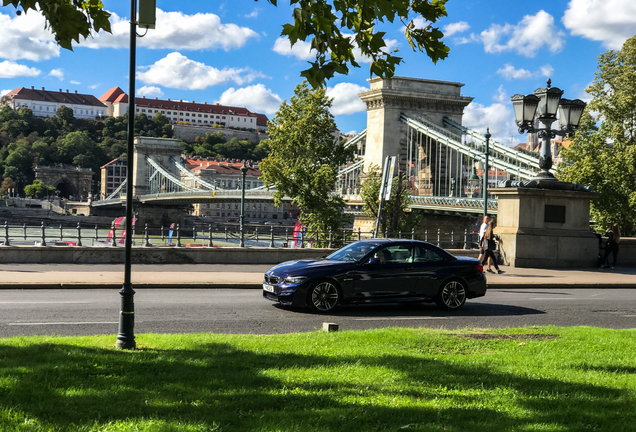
(529, 379)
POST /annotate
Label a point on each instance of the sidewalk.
(111, 276)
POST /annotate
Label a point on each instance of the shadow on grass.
(65, 387)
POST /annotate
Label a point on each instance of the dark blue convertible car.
(377, 270)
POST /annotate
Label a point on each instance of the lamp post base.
(545, 175)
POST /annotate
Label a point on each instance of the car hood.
(307, 267)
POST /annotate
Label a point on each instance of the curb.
(211, 285)
(78, 286)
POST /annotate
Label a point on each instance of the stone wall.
(189, 133)
(161, 255)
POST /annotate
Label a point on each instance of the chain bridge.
(418, 120)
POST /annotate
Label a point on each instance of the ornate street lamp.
(544, 104)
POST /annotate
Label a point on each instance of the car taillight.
(480, 267)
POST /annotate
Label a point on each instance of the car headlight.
(295, 280)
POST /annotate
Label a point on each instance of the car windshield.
(353, 252)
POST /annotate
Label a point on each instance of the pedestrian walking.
(613, 238)
(489, 246)
(482, 231)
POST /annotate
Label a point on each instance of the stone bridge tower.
(388, 97)
(69, 181)
(161, 150)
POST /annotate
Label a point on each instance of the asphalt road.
(89, 312)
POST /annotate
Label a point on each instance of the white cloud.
(546, 70)
(453, 28)
(4, 92)
(254, 13)
(175, 30)
(57, 73)
(498, 117)
(24, 37)
(9, 69)
(93, 87)
(257, 98)
(301, 50)
(177, 71)
(75, 82)
(346, 99)
(610, 22)
(525, 38)
(509, 72)
(149, 91)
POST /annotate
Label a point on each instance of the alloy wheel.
(324, 296)
(452, 295)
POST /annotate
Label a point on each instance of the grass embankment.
(532, 379)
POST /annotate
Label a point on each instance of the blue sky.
(231, 52)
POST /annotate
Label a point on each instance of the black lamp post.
(487, 153)
(126, 335)
(544, 103)
(242, 221)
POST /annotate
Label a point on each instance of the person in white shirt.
(482, 231)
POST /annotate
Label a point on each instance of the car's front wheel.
(452, 296)
(323, 296)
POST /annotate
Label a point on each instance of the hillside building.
(44, 103)
(201, 114)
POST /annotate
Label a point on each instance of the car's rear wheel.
(323, 296)
(452, 296)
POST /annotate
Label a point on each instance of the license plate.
(268, 288)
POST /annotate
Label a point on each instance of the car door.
(427, 269)
(389, 275)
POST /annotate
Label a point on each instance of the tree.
(38, 189)
(7, 184)
(603, 151)
(305, 158)
(321, 22)
(68, 20)
(395, 212)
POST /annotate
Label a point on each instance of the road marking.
(44, 302)
(61, 323)
(629, 316)
(552, 298)
(567, 298)
(399, 318)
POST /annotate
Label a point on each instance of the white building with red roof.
(200, 114)
(44, 103)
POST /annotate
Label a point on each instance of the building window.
(205, 116)
(251, 120)
(143, 110)
(199, 115)
(180, 114)
(162, 112)
(244, 120)
(187, 114)
(223, 117)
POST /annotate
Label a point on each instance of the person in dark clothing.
(613, 238)
(489, 246)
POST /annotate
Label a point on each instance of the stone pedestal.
(545, 227)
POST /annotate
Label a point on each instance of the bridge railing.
(213, 235)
